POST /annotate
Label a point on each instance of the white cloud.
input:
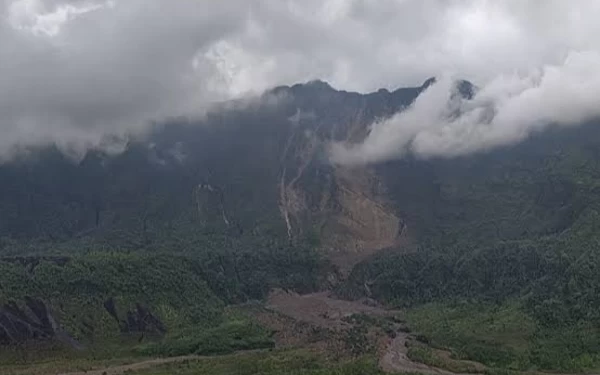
(74, 71)
(35, 17)
(504, 111)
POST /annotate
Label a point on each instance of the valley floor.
(318, 328)
(137, 366)
(314, 334)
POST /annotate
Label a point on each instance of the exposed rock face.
(31, 319)
(347, 208)
(364, 222)
(137, 320)
(31, 322)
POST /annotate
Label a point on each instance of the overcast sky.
(75, 71)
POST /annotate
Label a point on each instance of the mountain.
(253, 170)
(200, 214)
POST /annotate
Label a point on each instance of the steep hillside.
(226, 208)
(254, 171)
(506, 239)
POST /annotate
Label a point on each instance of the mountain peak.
(428, 82)
(466, 89)
(313, 86)
(319, 84)
(316, 85)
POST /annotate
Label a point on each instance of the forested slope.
(515, 227)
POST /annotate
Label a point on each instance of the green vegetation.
(119, 305)
(273, 363)
(515, 305)
(79, 290)
(503, 337)
(497, 336)
(153, 241)
(428, 356)
(233, 335)
(59, 364)
(505, 258)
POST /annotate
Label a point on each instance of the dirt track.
(116, 370)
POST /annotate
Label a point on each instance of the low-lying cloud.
(441, 123)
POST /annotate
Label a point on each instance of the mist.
(508, 109)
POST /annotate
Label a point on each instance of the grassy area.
(50, 358)
(231, 336)
(428, 356)
(295, 362)
(61, 362)
(503, 337)
(283, 362)
(235, 332)
(458, 325)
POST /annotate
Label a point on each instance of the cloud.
(505, 111)
(79, 72)
(103, 69)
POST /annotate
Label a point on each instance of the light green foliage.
(491, 334)
(426, 355)
(181, 290)
(77, 289)
(504, 336)
(232, 335)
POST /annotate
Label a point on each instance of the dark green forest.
(515, 226)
